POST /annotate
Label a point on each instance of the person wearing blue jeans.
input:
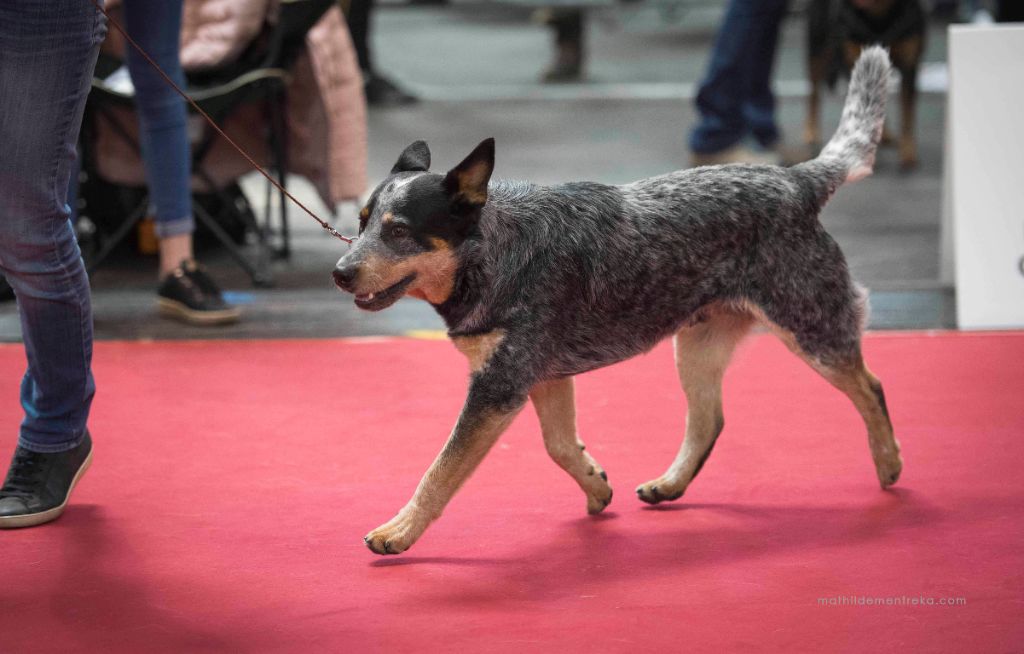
(186, 291)
(48, 49)
(735, 99)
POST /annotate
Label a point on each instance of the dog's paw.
(398, 534)
(889, 472)
(599, 502)
(659, 490)
(595, 485)
(888, 464)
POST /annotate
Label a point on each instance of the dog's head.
(411, 226)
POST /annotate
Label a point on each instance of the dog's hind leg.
(850, 375)
(555, 404)
(702, 352)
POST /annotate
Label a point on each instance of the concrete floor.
(476, 68)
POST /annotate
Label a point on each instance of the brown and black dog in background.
(837, 30)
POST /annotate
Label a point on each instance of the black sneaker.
(38, 485)
(189, 294)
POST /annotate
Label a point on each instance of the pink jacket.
(326, 108)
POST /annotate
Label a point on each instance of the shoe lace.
(24, 474)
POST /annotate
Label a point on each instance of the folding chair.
(259, 75)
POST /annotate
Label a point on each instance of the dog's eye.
(399, 231)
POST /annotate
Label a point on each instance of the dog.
(837, 30)
(538, 284)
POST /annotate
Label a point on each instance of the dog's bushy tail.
(850, 155)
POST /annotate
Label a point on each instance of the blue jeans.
(48, 50)
(735, 98)
(163, 120)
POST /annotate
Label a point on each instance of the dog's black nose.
(344, 277)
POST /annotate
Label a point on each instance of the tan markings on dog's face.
(364, 213)
(435, 274)
(387, 217)
(478, 349)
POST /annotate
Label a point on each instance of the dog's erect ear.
(414, 157)
(467, 182)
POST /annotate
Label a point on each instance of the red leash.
(323, 223)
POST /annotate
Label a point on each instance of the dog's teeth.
(369, 296)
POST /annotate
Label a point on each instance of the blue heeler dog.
(538, 284)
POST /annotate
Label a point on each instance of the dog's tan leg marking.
(906, 54)
(479, 348)
(703, 352)
(555, 404)
(472, 438)
(865, 391)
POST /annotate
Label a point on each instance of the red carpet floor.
(233, 482)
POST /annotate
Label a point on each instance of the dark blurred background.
(477, 70)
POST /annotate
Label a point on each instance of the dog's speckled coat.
(538, 284)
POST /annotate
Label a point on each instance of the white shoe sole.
(177, 310)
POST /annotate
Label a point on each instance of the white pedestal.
(987, 155)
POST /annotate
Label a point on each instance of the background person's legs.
(568, 26)
(759, 109)
(379, 89)
(163, 122)
(186, 291)
(736, 87)
(47, 52)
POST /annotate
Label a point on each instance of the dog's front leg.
(555, 403)
(489, 409)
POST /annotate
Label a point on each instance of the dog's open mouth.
(383, 299)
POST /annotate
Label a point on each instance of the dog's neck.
(488, 259)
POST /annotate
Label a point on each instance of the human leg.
(723, 95)
(47, 52)
(759, 109)
(156, 26)
(186, 291)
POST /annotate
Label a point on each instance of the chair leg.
(118, 236)
(277, 102)
(259, 271)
